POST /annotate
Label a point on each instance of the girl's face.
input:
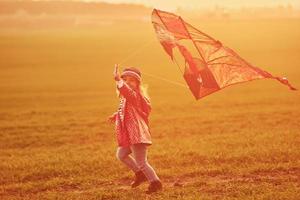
(131, 82)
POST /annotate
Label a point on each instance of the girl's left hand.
(116, 73)
(111, 119)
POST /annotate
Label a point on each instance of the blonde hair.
(143, 88)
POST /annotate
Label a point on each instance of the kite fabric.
(213, 66)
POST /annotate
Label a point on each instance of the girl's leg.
(140, 155)
(123, 155)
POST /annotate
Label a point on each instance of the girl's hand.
(116, 73)
(111, 119)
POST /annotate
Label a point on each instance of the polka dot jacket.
(131, 119)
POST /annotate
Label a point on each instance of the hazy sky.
(171, 4)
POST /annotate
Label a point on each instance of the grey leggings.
(139, 160)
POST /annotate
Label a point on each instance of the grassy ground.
(57, 90)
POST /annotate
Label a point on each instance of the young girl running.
(131, 125)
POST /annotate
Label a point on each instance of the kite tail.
(285, 81)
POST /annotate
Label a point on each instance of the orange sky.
(172, 4)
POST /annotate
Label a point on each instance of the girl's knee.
(121, 154)
(142, 164)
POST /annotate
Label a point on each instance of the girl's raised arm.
(116, 73)
(126, 91)
(123, 88)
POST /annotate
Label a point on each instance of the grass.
(57, 90)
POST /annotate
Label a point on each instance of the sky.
(196, 4)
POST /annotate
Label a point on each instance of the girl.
(131, 124)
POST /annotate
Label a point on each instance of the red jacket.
(131, 119)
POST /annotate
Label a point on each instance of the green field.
(57, 91)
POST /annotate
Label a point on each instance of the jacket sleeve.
(128, 93)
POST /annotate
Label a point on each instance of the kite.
(211, 66)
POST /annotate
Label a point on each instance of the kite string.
(137, 51)
(166, 80)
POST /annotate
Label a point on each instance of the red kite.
(213, 66)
